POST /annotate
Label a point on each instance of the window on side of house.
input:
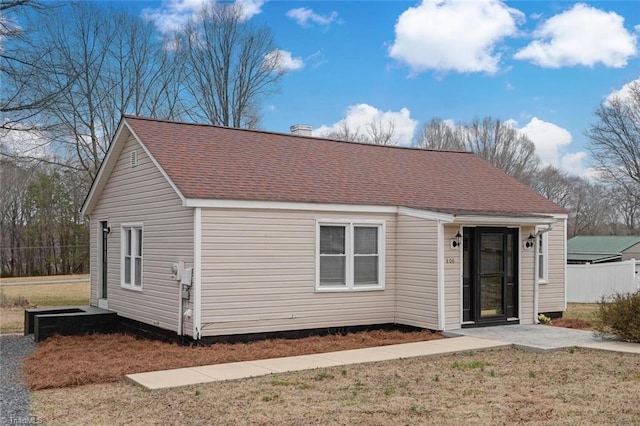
(131, 256)
(543, 258)
(350, 256)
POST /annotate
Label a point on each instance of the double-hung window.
(131, 256)
(542, 258)
(350, 256)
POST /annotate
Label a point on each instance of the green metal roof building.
(600, 249)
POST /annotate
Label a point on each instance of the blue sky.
(545, 65)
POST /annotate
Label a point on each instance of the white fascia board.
(89, 202)
(425, 214)
(504, 220)
(283, 205)
(554, 215)
(155, 162)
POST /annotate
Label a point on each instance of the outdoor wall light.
(456, 241)
(531, 240)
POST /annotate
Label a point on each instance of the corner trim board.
(197, 273)
(441, 283)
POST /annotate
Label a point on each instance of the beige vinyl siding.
(452, 279)
(258, 274)
(417, 272)
(632, 252)
(93, 262)
(552, 294)
(141, 194)
(526, 286)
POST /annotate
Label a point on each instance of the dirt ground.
(507, 386)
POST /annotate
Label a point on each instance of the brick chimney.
(301, 130)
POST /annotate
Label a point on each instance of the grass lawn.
(15, 298)
(585, 311)
(503, 386)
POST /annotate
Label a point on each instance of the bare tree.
(231, 64)
(439, 135)
(344, 132)
(115, 64)
(556, 185)
(492, 139)
(504, 147)
(625, 210)
(589, 210)
(21, 65)
(615, 139)
(376, 132)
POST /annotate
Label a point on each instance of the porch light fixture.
(456, 241)
(531, 239)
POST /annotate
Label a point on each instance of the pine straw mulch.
(577, 323)
(64, 361)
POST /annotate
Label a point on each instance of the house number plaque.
(451, 260)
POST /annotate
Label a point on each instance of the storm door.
(490, 266)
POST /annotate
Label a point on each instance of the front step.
(68, 321)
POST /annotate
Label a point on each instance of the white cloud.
(250, 8)
(284, 60)
(574, 163)
(624, 92)
(453, 35)
(302, 16)
(24, 143)
(583, 35)
(552, 142)
(548, 138)
(173, 15)
(359, 116)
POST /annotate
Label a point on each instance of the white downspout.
(536, 267)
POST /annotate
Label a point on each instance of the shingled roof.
(211, 162)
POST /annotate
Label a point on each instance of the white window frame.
(349, 251)
(542, 254)
(123, 254)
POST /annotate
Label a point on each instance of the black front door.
(490, 275)
(103, 259)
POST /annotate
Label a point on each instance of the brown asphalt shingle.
(210, 162)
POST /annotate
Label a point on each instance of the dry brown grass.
(78, 360)
(15, 298)
(47, 278)
(572, 387)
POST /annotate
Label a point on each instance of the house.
(602, 248)
(205, 231)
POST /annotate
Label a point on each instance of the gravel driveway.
(14, 398)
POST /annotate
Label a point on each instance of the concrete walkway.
(544, 338)
(538, 338)
(240, 370)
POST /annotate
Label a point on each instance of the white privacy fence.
(588, 283)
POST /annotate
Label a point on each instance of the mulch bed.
(577, 323)
(63, 361)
